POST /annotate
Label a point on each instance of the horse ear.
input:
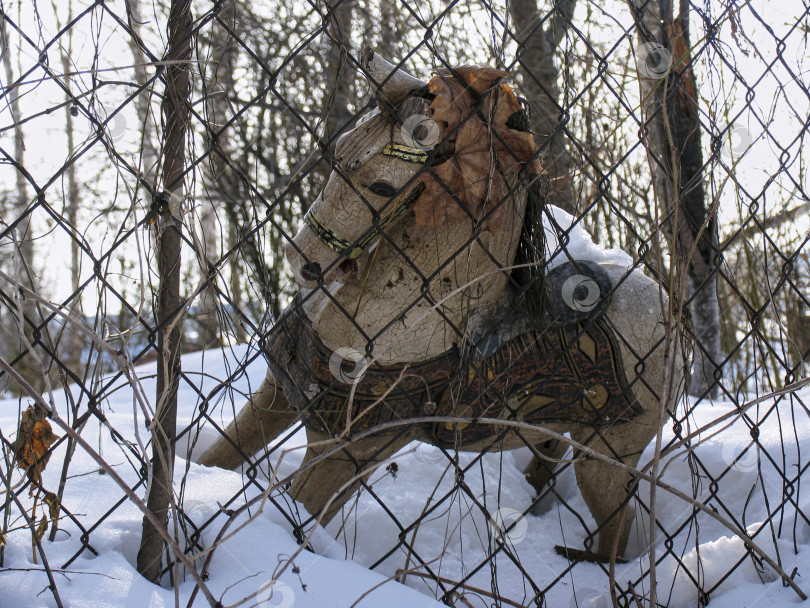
(392, 84)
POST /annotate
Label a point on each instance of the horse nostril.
(311, 271)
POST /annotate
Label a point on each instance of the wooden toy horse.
(410, 307)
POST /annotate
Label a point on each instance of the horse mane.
(448, 99)
(483, 150)
(528, 277)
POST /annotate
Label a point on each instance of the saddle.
(569, 371)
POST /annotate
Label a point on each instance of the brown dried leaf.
(34, 438)
(42, 528)
(474, 180)
(52, 500)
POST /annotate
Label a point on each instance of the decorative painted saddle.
(569, 371)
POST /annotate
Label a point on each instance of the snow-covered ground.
(454, 540)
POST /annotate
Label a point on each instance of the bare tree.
(221, 179)
(672, 130)
(233, 149)
(175, 111)
(340, 74)
(143, 103)
(798, 311)
(23, 311)
(538, 45)
(70, 342)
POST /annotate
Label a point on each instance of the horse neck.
(389, 304)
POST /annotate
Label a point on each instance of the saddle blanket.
(568, 372)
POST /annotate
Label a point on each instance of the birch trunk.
(23, 252)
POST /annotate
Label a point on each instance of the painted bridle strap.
(343, 246)
(328, 236)
(346, 248)
(406, 153)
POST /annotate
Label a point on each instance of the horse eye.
(382, 189)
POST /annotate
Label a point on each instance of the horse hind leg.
(606, 488)
(262, 419)
(324, 487)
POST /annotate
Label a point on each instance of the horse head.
(441, 153)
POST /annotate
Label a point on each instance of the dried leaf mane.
(480, 157)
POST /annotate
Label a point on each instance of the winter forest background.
(83, 144)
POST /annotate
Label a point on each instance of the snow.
(454, 538)
(251, 556)
(263, 557)
(566, 239)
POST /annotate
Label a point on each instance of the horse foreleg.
(262, 419)
(605, 488)
(542, 466)
(326, 486)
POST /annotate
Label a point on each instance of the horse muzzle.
(311, 266)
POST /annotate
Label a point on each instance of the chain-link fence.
(519, 294)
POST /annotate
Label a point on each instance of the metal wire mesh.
(273, 88)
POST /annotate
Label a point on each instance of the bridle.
(354, 249)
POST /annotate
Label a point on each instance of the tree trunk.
(71, 344)
(672, 130)
(175, 110)
(540, 81)
(143, 104)
(22, 255)
(798, 316)
(229, 163)
(387, 45)
(223, 182)
(340, 76)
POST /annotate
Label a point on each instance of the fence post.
(170, 321)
